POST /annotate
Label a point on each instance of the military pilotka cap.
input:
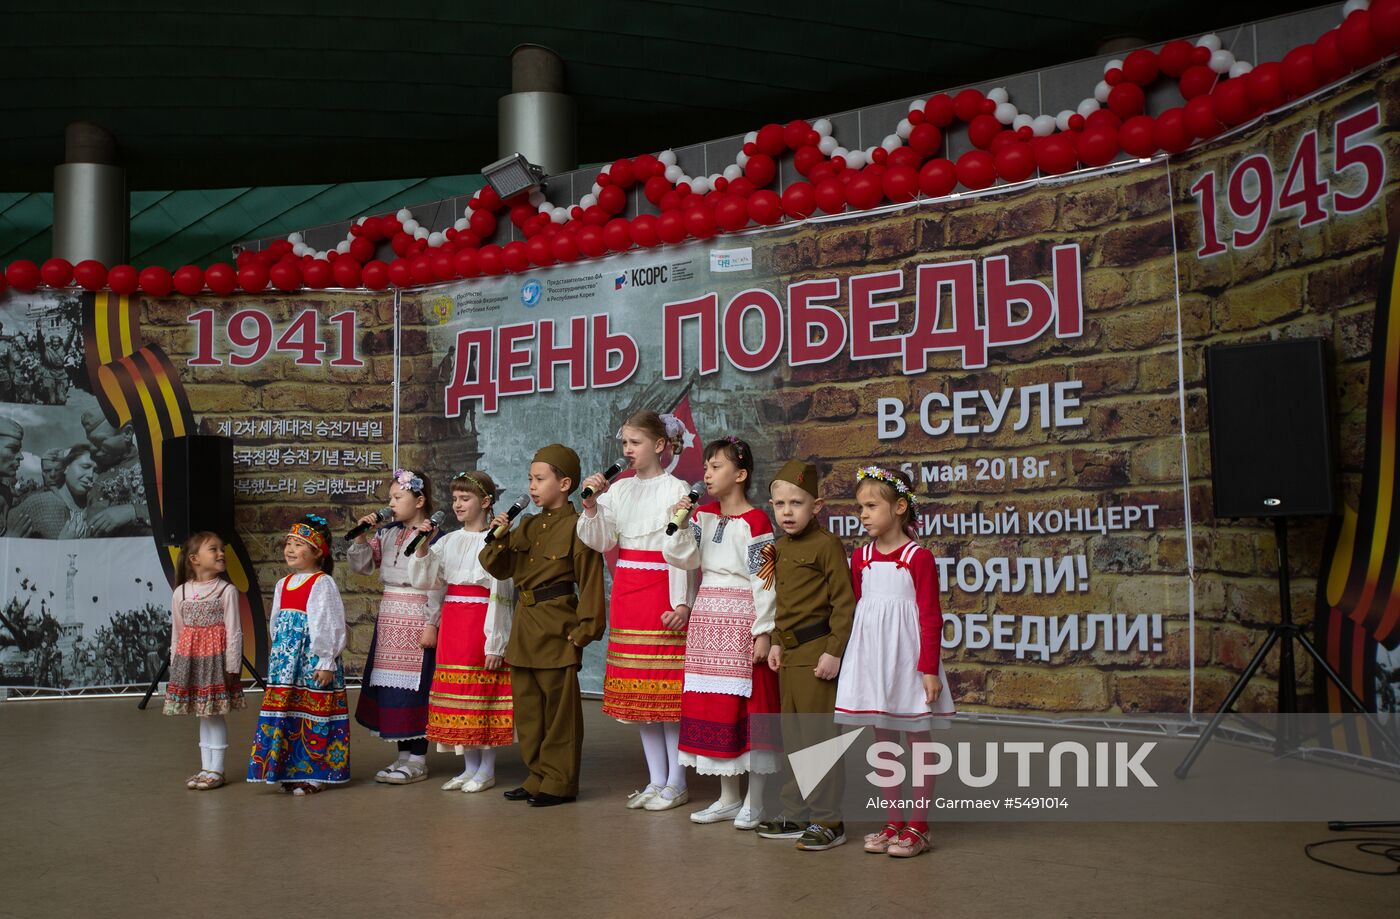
(561, 458)
(11, 430)
(803, 475)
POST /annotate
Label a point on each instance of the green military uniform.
(815, 608)
(547, 635)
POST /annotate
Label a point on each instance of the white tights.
(213, 741)
(659, 743)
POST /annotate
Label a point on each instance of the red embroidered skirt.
(468, 705)
(646, 660)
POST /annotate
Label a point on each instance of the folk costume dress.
(206, 643)
(723, 686)
(896, 637)
(468, 705)
(646, 660)
(303, 731)
(398, 670)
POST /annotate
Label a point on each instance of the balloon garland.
(1219, 92)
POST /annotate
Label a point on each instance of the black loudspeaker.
(197, 486)
(1271, 448)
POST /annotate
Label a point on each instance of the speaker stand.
(165, 671)
(1285, 631)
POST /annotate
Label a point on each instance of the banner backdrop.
(1032, 356)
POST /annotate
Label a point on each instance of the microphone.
(418, 537)
(511, 513)
(380, 516)
(610, 473)
(695, 491)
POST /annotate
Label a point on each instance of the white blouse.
(325, 617)
(632, 514)
(386, 549)
(729, 552)
(455, 559)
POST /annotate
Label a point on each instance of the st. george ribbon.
(610, 473)
(695, 491)
(380, 516)
(511, 513)
(418, 537)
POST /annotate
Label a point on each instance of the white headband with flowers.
(884, 475)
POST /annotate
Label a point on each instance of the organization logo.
(620, 281)
(731, 259)
(441, 309)
(643, 277)
(530, 293)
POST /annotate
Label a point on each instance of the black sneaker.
(818, 837)
(779, 828)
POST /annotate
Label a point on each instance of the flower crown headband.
(405, 478)
(889, 478)
(738, 445)
(480, 485)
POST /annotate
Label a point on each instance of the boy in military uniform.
(559, 584)
(815, 608)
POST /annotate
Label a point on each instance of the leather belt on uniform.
(530, 597)
(791, 638)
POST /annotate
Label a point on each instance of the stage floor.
(98, 823)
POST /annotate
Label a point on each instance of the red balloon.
(3, 283)
(91, 274)
(765, 207)
(1175, 57)
(700, 222)
(156, 281)
(670, 226)
(540, 251)
(444, 268)
(1232, 105)
(591, 242)
(655, 188)
(823, 170)
(741, 187)
(612, 199)
(1197, 81)
(57, 272)
(483, 223)
(645, 166)
(1355, 39)
(401, 243)
(389, 225)
(1327, 57)
(361, 249)
(189, 280)
(866, 190)
(1097, 146)
(420, 270)
(1264, 84)
(799, 200)
(644, 231)
(982, 129)
(770, 140)
(732, 214)
(900, 183)
(805, 158)
(760, 169)
(564, 247)
(1299, 71)
(251, 277)
(375, 274)
(617, 234)
(925, 139)
(1140, 67)
(621, 173)
(1201, 120)
(23, 275)
(520, 213)
(967, 104)
(938, 177)
(905, 156)
(1385, 24)
(939, 110)
(1056, 154)
(401, 273)
(536, 224)
(1014, 161)
(515, 257)
(487, 198)
(346, 271)
(795, 133)
(1136, 136)
(1102, 118)
(830, 195)
(464, 263)
(595, 215)
(976, 169)
(1126, 100)
(1169, 131)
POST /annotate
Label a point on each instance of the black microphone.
(418, 537)
(695, 491)
(511, 513)
(380, 516)
(610, 473)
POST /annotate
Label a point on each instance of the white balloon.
(827, 144)
(420, 233)
(299, 250)
(1088, 107)
(343, 246)
(1115, 63)
(410, 225)
(673, 174)
(404, 214)
(667, 157)
(460, 224)
(715, 177)
(559, 215)
(686, 180)
(839, 151)
(595, 189)
(891, 142)
(917, 105)
(751, 137)
(823, 125)
(904, 128)
(1240, 69)
(699, 185)
(998, 95)
(544, 207)
(1221, 61)
(536, 198)
(1043, 125)
(733, 171)
(361, 220)
(587, 201)
(1102, 90)
(741, 160)
(436, 239)
(321, 254)
(295, 238)
(856, 159)
(1209, 40)
(1353, 5)
(1005, 113)
(1062, 119)
(1022, 121)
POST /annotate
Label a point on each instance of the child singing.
(650, 601)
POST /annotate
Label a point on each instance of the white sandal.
(406, 773)
(662, 803)
(640, 799)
